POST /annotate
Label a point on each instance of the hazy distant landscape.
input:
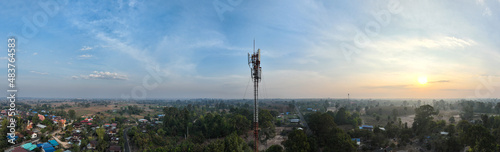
(242, 76)
(223, 124)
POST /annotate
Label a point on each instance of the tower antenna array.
(256, 71)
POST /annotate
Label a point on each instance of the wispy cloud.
(390, 87)
(102, 75)
(35, 53)
(41, 73)
(85, 56)
(442, 42)
(486, 11)
(85, 48)
(439, 81)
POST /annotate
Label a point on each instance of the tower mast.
(256, 70)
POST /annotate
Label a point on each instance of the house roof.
(53, 143)
(29, 146)
(44, 145)
(115, 148)
(367, 126)
(49, 149)
(294, 120)
(41, 126)
(19, 149)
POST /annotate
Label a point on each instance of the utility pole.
(256, 71)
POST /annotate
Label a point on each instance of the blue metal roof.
(49, 149)
(53, 143)
(44, 145)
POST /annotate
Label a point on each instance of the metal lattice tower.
(256, 71)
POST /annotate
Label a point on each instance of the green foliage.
(3, 131)
(215, 146)
(423, 119)
(452, 119)
(240, 123)
(234, 143)
(275, 148)
(297, 142)
(467, 111)
(321, 125)
(328, 135)
(338, 140)
(478, 137)
(72, 114)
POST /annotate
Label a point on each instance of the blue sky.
(103, 49)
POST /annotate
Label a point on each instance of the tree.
(321, 125)
(423, 119)
(240, 123)
(467, 110)
(297, 142)
(497, 107)
(100, 133)
(338, 140)
(479, 138)
(35, 119)
(275, 148)
(3, 131)
(342, 117)
(452, 119)
(234, 143)
(218, 145)
(72, 113)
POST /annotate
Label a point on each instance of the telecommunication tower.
(256, 71)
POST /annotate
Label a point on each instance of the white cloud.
(102, 75)
(85, 56)
(35, 53)
(487, 11)
(41, 73)
(430, 43)
(85, 48)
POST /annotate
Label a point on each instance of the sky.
(137, 49)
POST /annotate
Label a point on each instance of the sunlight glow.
(422, 79)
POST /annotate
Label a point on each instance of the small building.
(41, 126)
(115, 149)
(46, 147)
(294, 120)
(19, 149)
(367, 127)
(115, 140)
(357, 140)
(444, 133)
(92, 144)
(143, 120)
(54, 143)
(29, 146)
(41, 117)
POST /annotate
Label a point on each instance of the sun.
(422, 79)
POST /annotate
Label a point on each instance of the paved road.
(125, 136)
(308, 131)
